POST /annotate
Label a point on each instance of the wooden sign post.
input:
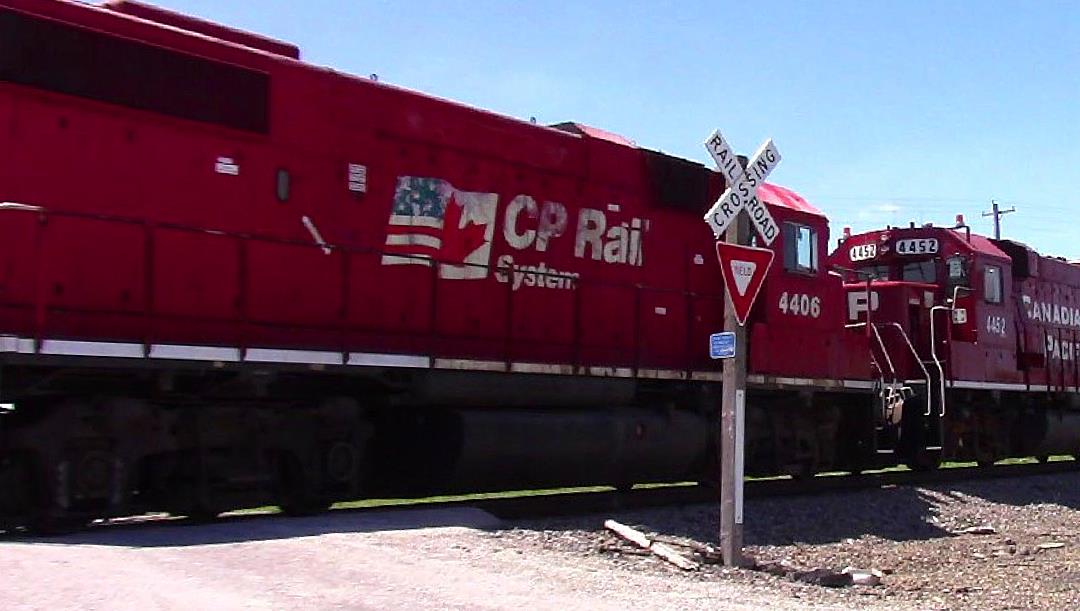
(741, 194)
(732, 419)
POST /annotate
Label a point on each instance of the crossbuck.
(742, 187)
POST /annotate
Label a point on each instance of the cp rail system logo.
(432, 220)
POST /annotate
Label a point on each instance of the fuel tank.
(1062, 435)
(455, 450)
(502, 390)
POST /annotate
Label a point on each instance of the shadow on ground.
(1062, 489)
(899, 513)
(241, 529)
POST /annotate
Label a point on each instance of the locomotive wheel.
(923, 460)
(984, 458)
(15, 481)
(342, 460)
(298, 494)
(45, 519)
(48, 525)
(202, 514)
(93, 474)
(804, 471)
(990, 446)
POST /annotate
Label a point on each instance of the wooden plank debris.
(984, 529)
(663, 550)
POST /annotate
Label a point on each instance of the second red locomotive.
(982, 331)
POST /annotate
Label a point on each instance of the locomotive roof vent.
(592, 132)
(206, 28)
(678, 183)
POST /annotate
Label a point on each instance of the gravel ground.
(455, 559)
(1029, 558)
(466, 559)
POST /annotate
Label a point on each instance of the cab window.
(992, 284)
(800, 248)
(874, 272)
(956, 272)
(920, 271)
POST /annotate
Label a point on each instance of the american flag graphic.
(431, 220)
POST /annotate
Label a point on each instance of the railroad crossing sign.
(742, 187)
(744, 269)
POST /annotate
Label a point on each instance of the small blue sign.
(722, 345)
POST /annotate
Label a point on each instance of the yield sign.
(744, 269)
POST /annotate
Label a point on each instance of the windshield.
(919, 271)
(873, 272)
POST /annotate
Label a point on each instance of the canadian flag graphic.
(431, 220)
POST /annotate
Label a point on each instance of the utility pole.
(997, 213)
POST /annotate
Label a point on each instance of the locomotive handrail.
(888, 360)
(1076, 367)
(1049, 362)
(918, 359)
(881, 374)
(1061, 347)
(933, 354)
(881, 344)
(933, 337)
(579, 350)
(18, 206)
(331, 245)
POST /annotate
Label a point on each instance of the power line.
(856, 198)
(933, 200)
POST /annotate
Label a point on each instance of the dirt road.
(420, 559)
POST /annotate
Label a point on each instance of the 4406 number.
(800, 304)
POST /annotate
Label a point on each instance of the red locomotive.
(988, 326)
(232, 278)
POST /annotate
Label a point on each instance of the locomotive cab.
(793, 327)
(945, 289)
(934, 305)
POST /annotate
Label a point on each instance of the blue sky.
(885, 112)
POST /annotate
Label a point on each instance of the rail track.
(593, 502)
(532, 505)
